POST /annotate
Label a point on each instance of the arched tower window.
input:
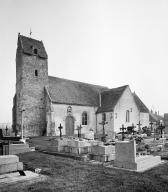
(104, 117)
(84, 118)
(35, 51)
(36, 73)
(127, 116)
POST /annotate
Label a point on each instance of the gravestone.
(103, 152)
(125, 157)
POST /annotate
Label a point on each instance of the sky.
(104, 42)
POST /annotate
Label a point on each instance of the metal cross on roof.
(60, 127)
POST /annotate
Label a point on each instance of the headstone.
(103, 153)
(125, 157)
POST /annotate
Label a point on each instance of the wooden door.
(69, 126)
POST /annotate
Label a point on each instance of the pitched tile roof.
(166, 116)
(29, 44)
(72, 92)
(155, 118)
(141, 106)
(110, 98)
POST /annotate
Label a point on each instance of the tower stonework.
(29, 107)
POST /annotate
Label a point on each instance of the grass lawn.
(66, 174)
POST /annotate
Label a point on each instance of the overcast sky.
(104, 42)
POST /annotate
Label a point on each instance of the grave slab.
(11, 167)
(103, 149)
(7, 159)
(14, 178)
(18, 148)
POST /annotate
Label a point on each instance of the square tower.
(29, 107)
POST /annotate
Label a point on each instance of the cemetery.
(126, 152)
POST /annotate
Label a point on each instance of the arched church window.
(104, 117)
(84, 118)
(127, 116)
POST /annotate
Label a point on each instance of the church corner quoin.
(41, 102)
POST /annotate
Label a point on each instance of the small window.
(84, 118)
(127, 116)
(35, 51)
(36, 73)
(103, 117)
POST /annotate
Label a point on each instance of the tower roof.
(28, 46)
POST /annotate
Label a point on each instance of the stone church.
(42, 102)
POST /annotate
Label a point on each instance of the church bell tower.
(29, 108)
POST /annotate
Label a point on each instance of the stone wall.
(30, 93)
(59, 113)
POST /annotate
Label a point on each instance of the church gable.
(110, 98)
(64, 91)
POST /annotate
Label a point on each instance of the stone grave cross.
(161, 127)
(79, 130)
(151, 124)
(60, 127)
(123, 132)
(139, 126)
(133, 127)
(6, 130)
(103, 123)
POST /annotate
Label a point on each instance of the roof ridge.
(30, 38)
(124, 86)
(78, 82)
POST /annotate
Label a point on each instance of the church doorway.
(69, 124)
